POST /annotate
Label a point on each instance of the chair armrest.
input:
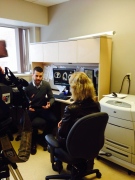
(51, 141)
(52, 144)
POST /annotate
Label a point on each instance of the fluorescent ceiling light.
(108, 33)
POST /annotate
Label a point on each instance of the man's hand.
(59, 124)
(47, 106)
(31, 109)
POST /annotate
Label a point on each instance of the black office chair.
(84, 141)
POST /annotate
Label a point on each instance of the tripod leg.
(19, 174)
(12, 172)
(14, 167)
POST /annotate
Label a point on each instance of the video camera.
(14, 85)
(12, 95)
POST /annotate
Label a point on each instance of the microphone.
(22, 81)
(15, 80)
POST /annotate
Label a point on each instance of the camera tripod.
(7, 153)
(6, 167)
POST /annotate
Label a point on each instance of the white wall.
(22, 13)
(82, 17)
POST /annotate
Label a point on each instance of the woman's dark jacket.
(72, 113)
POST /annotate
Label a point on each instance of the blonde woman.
(83, 93)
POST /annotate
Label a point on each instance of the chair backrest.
(86, 136)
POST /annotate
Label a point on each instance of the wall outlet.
(129, 74)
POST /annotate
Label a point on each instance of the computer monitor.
(61, 77)
(90, 74)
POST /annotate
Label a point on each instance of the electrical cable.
(122, 83)
(128, 84)
(125, 77)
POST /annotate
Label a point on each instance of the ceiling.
(47, 3)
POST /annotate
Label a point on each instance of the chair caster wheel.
(57, 166)
(98, 175)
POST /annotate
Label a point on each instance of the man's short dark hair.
(38, 69)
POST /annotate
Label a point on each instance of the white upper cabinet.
(36, 52)
(88, 50)
(79, 51)
(96, 50)
(68, 52)
(50, 51)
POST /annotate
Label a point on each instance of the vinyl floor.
(38, 166)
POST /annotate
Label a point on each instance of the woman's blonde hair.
(81, 86)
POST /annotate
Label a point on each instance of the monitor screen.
(61, 76)
(90, 74)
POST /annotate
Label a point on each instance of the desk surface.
(61, 100)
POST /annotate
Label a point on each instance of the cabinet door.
(67, 51)
(88, 50)
(50, 51)
(36, 53)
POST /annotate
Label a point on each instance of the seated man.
(40, 106)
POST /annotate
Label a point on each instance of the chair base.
(59, 176)
(70, 177)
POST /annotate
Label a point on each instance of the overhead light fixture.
(108, 33)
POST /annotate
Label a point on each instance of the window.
(8, 34)
(17, 46)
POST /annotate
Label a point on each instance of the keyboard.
(61, 96)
